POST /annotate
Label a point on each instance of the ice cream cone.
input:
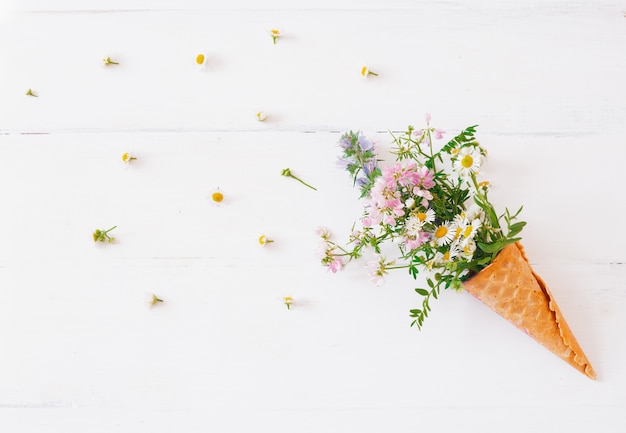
(511, 288)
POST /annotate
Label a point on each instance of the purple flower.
(365, 144)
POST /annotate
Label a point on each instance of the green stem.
(287, 172)
(491, 211)
(303, 182)
(430, 146)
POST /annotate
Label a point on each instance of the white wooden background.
(80, 351)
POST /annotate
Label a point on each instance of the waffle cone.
(511, 288)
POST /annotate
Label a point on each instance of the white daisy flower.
(475, 212)
(426, 217)
(201, 60)
(467, 162)
(469, 231)
(127, 158)
(275, 34)
(468, 249)
(365, 72)
(443, 234)
(261, 116)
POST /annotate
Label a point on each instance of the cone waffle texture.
(511, 288)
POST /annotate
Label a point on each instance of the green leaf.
(422, 292)
(489, 248)
(516, 228)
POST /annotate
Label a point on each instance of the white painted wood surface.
(80, 350)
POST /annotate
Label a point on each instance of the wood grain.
(81, 349)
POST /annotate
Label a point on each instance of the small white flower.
(127, 158)
(365, 72)
(468, 249)
(275, 34)
(261, 116)
(443, 234)
(466, 233)
(201, 60)
(468, 161)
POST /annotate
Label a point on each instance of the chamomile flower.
(275, 34)
(467, 162)
(467, 250)
(441, 259)
(127, 158)
(263, 240)
(30, 92)
(261, 116)
(216, 196)
(425, 217)
(288, 301)
(201, 60)
(365, 72)
(469, 231)
(443, 234)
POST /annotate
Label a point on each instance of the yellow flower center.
(200, 59)
(467, 161)
(275, 32)
(217, 196)
(441, 232)
(125, 157)
(467, 232)
(421, 216)
(446, 256)
(457, 232)
(263, 240)
(364, 70)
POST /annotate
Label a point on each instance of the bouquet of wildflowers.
(432, 206)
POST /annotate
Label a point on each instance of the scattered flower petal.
(275, 34)
(365, 72)
(263, 240)
(127, 158)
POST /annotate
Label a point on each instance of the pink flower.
(390, 220)
(335, 265)
(427, 117)
(367, 222)
(426, 177)
(439, 133)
